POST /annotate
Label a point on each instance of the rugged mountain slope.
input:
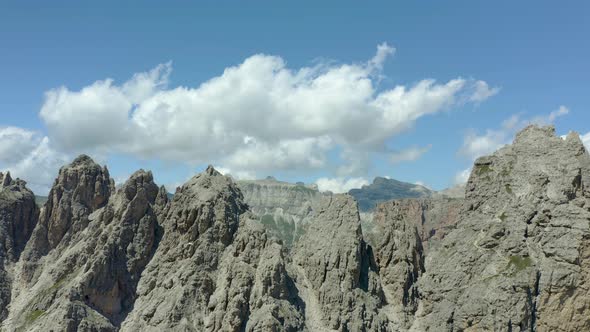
(346, 284)
(518, 258)
(82, 265)
(284, 208)
(383, 189)
(214, 269)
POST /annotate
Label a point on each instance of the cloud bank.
(340, 185)
(257, 116)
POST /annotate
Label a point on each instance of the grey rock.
(433, 217)
(253, 290)
(174, 290)
(336, 271)
(517, 258)
(81, 188)
(512, 255)
(89, 284)
(400, 258)
(18, 217)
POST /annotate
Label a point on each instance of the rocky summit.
(511, 254)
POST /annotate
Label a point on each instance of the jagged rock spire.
(80, 188)
(339, 268)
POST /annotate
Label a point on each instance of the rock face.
(400, 258)
(18, 216)
(433, 217)
(337, 271)
(284, 208)
(383, 189)
(518, 258)
(199, 225)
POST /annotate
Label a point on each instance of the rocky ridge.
(511, 256)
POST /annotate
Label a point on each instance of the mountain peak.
(82, 160)
(384, 189)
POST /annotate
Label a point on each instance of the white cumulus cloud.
(409, 154)
(237, 175)
(586, 140)
(39, 166)
(255, 116)
(461, 177)
(483, 91)
(16, 143)
(340, 185)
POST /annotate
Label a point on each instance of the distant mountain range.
(384, 189)
(381, 190)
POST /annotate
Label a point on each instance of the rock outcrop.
(200, 223)
(400, 258)
(81, 188)
(18, 217)
(336, 271)
(518, 258)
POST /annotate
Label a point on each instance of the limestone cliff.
(284, 208)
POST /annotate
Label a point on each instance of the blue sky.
(535, 52)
